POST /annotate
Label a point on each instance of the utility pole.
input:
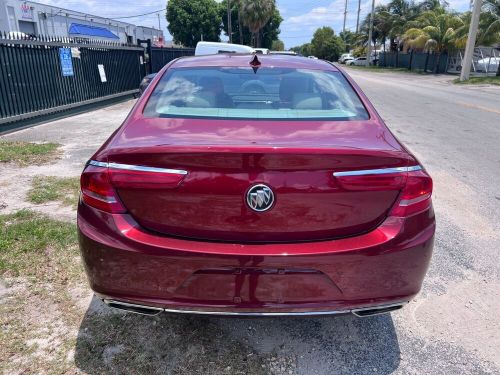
(159, 26)
(370, 33)
(357, 19)
(345, 16)
(229, 26)
(471, 40)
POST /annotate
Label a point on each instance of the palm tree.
(491, 22)
(437, 32)
(238, 4)
(400, 13)
(256, 14)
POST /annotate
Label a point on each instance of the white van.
(262, 51)
(213, 48)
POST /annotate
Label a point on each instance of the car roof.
(243, 60)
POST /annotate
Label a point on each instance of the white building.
(34, 18)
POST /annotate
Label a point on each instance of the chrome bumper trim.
(156, 310)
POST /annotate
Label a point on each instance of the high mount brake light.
(99, 180)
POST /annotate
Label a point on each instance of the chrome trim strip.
(257, 314)
(378, 171)
(98, 163)
(140, 168)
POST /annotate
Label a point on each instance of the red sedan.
(240, 185)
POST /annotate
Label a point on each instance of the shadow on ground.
(116, 342)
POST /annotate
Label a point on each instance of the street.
(451, 327)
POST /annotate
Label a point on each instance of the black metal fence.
(41, 75)
(425, 62)
(159, 57)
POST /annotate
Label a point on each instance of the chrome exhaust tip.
(131, 307)
(377, 310)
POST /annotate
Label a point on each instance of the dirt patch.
(468, 315)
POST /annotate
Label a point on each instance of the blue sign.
(66, 62)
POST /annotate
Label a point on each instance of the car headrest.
(212, 84)
(307, 101)
(291, 85)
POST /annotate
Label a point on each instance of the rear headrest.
(307, 101)
(291, 85)
(212, 84)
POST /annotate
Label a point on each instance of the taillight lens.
(415, 196)
(132, 179)
(98, 192)
(375, 182)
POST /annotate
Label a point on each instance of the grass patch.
(493, 80)
(25, 153)
(33, 244)
(49, 188)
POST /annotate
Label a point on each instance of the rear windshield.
(266, 93)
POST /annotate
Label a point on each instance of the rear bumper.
(124, 263)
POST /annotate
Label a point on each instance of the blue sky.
(301, 17)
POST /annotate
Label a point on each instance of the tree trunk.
(426, 62)
(240, 27)
(438, 60)
(411, 59)
(385, 56)
(257, 39)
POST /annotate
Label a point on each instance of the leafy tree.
(190, 20)
(304, 50)
(256, 14)
(268, 33)
(326, 45)
(349, 39)
(277, 45)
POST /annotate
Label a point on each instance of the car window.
(266, 93)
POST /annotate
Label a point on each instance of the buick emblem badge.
(260, 198)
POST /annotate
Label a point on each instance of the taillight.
(137, 179)
(415, 185)
(97, 190)
(415, 196)
(384, 181)
(99, 180)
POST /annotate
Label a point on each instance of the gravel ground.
(452, 327)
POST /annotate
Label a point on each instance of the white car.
(488, 65)
(358, 61)
(213, 48)
(345, 56)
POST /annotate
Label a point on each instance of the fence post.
(411, 59)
